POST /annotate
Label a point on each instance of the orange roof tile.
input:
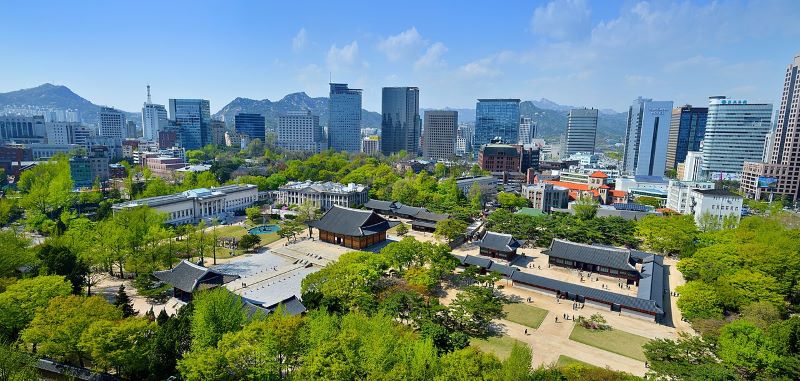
(568, 185)
(599, 174)
(618, 193)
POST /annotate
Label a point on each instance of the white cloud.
(397, 46)
(638, 79)
(342, 57)
(695, 62)
(432, 57)
(300, 40)
(487, 66)
(562, 20)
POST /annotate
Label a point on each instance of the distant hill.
(292, 102)
(56, 96)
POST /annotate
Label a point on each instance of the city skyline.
(572, 52)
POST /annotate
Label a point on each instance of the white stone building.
(323, 194)
(679, 194)
(717, 203)
(194, 205)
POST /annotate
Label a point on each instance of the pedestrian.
(526, 332)
(556, 319)
(573, 316)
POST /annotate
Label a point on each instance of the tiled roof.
(352, 222)
(599, 175)
(499, 242)
(568, 185)
(186, 276)
(597, 255)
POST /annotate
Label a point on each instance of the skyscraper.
(735, 133)
(527, 130)
(496, 118)
(300, 131)
(581, 131)
(401, 125)
(439, 136)
(686, 131)
(154, 118)
(779, 175)
(112, 123)
(344, 118)
(646, 137)
(193, 118)
(251, 125)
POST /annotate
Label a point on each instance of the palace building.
(353, 228)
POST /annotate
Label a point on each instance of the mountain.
(292, 102)
(58, 97)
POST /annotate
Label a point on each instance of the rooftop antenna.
(330, 77)
(148, 95)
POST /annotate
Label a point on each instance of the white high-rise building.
(646, 137)
(692, 166)
(527, 130)
(735, 132)
(154, 118)
(439, 136)
(112, 123)
(300, 131)
(581, 131)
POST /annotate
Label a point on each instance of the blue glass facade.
(691, 129)
(193, 118)
(401, 125)
(496, 118)
(344, 118)
(251, 125)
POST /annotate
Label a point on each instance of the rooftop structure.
(352, 228)
(323, 194)
(499, 245)
(187, 277)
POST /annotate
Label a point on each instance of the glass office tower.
(193, 118)
(344, 118)
(251, 125)
(496, 118)
(686, 131)
(401, 125)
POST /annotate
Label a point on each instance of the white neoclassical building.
(194, 205)
(323, 194)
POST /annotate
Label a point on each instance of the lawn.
(500, 346)
(612, 340)
(566, 360)
(525, 314)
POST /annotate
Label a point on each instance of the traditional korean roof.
(187, 276)
(499, 242)
(597, 255)
(352, 222)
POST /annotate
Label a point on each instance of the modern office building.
(646, 137)
(581, 131)
(545, 196)
(112, 123)
(692, 167)
(251, 125)
(192, 206)
(735, 133)
(344, 118)
(323, 194)
(218, 132)
(779, 175)
(439, 135)
(371, 145)
(686, 131)
(193, 119)
(300, 131)
(66, 133)
(154, 118)
(401, 125)
(527, 130)
(496, 118)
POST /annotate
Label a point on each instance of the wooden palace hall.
(353, 228)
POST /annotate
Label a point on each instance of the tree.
(254, 214)
(402, 229)
(518, 364)
(450, 229)
(668, 235)
(699, 300)
(474, 308)
(46, 189)
(347, 284)
(124, 302)
(306, 212)
(60, 260)
(475, 196)
(439, 170)
(57, 329)
(744, 346)
(511, 201)
(249, 241)
(585, 208)
(689, 358)
(216, 312)
(649, 201)
(14, 253)
(123, 345)
(22, 299)
(16, 365)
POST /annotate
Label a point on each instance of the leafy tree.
(518, 364)
(249, 241)
(57, 329)
(649, 201)
(511, 201)
(216, 312)
(347, 284)
(14, 253)
(22, 299)
(668, 235)
(307, 211)
(750, 287)
(761, 314)
(450, 229)
(473, 309)
(402, 229)
(60, 260)
(122, 345)
(699, 300)
(253, 214)
(475, 196)
(744, 346)
(45, 189)
(124, 302)
(16, 365)
(585, 208)
(688, 358)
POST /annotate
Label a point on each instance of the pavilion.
(498, 245)
(597, 259)
(187, 277)
(353, 228)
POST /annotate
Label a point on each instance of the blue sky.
(587, 53)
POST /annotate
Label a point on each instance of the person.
(556, 319)
(526, 331)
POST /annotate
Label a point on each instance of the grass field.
(566, 360)
(612, 340)
(500, 346)
(525, 314)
